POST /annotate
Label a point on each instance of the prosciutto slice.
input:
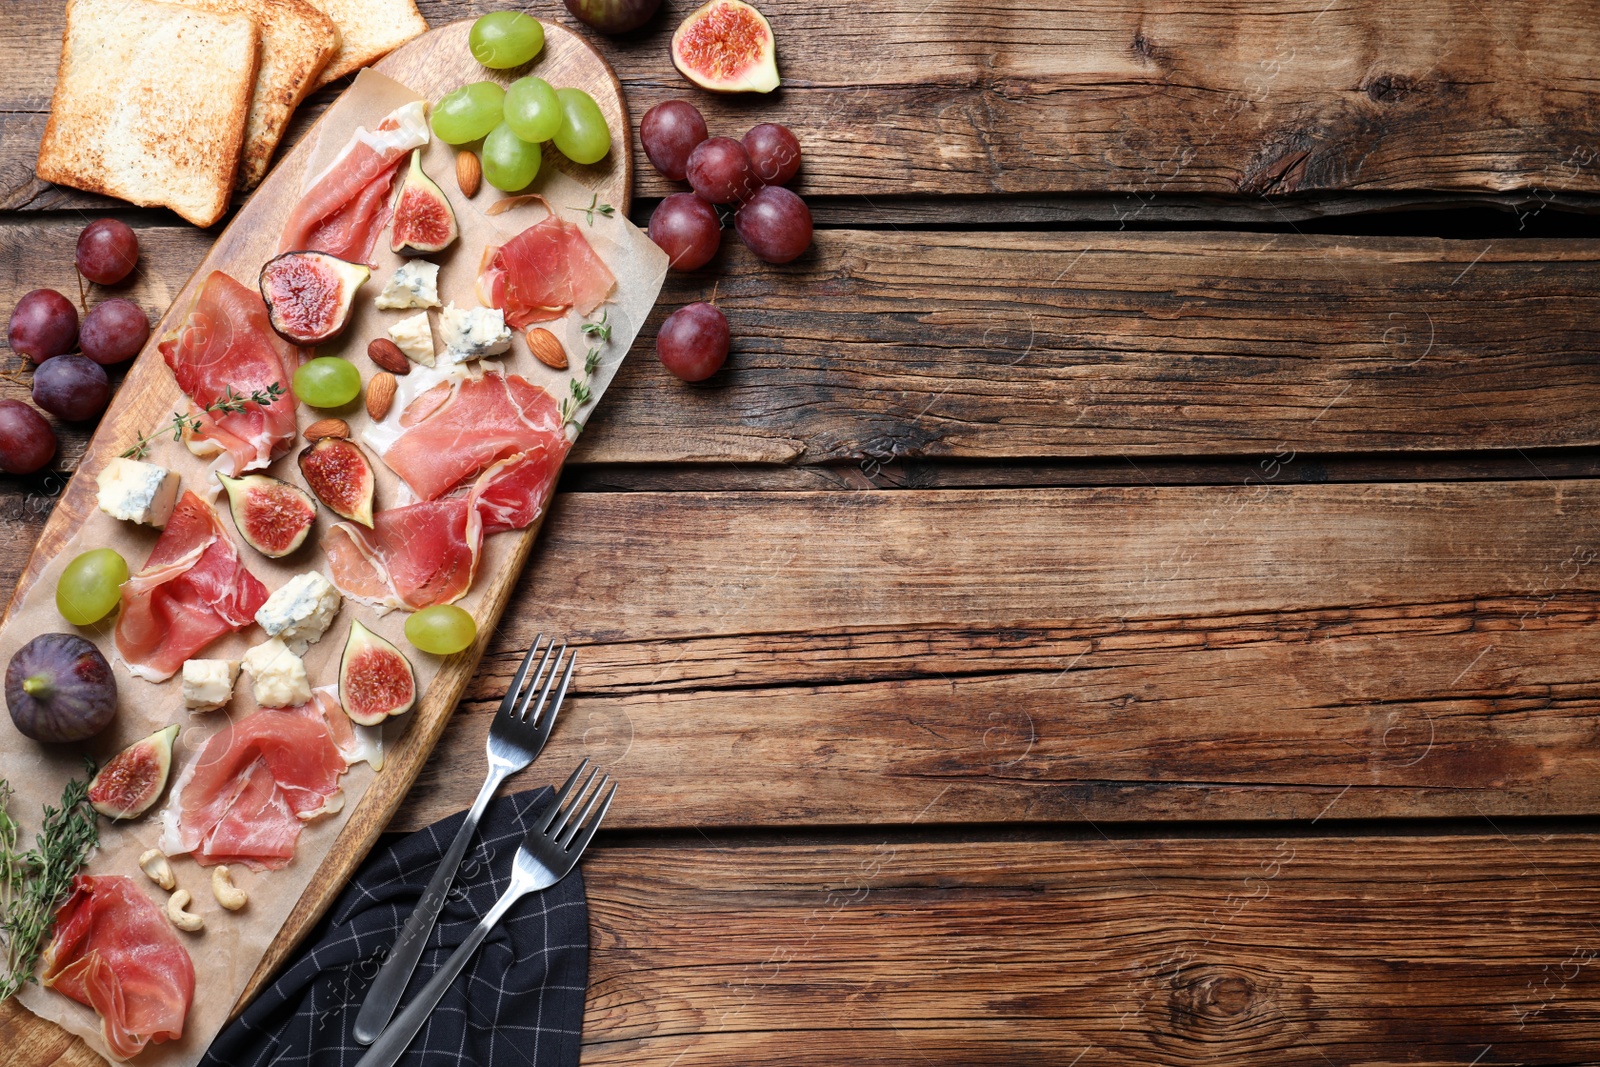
(543, 271)
(455, 431)
(192, 590)
(226, 349)
(427, 553)
(254, 785)
(344, 208)
(115, 951)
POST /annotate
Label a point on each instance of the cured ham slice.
(252, 787)
(427, 553)
(456, 430)
(192, 590)
(115, 951)
(543, 271)
(344, 208)
(225, 350)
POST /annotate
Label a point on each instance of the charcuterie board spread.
(324, 549)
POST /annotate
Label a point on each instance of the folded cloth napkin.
(519, 1003)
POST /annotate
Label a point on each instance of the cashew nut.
(154, 864)
(228, 895)
(181, 919)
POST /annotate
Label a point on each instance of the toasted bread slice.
(369, 29)
(150, 104)
(297, 41)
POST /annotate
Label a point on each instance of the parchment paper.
(226, 953)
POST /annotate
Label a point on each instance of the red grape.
(613, 16)
(719, 170)
(774, 153)
(107, 251)
(669, 132)
(693, 342)
(687, 229)
(113, 331)
(775, 224)
(74, 388)
(44, 324)
(26, 441)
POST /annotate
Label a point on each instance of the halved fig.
(338, 472)
(375, 678)
(272, 516)
(309, 295)
(134, 778)
(423, 221)
(726, 46)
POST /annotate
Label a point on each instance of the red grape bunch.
(44, 328)
(749, 175)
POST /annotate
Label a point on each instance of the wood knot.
(1143, 47)
(1218, 998)
(1390, 88)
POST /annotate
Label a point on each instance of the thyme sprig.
(229, 403)
(33, 884)
(599, 330)
(591, 361)
(595, 207)
(580, 396)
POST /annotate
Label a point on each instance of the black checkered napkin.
(519, 1003)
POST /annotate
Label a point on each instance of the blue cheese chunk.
(300, 611)
(414, 284)
(137, 492)
(414, 337)
(277, 676)
(473, 333)
(208, 683)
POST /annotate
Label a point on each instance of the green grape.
(88, 589)
(504, 39)
(327, 382)
(468, 113)
(533, 111)
(584, 136)
(442, 629)
(509, 162)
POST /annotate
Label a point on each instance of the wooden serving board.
(431, 65)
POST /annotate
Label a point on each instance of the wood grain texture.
(426, 65)
(1438, 951)
(1025, 656)
(894, 97)
(884, 346)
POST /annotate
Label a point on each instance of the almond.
(327, 428)
(546, 348)
(386, 354)
(380, 394)
(469, 173)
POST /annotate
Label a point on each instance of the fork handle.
(383, 997)
(391, 1044)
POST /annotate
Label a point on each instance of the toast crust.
(150, 104)
(370, 30)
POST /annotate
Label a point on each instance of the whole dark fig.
(60, 688)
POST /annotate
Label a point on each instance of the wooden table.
(1125, 602)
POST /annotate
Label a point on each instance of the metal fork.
(515, 739)
(549, 852)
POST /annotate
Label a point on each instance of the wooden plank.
(882, 346)
(1385, 950)
(1261, 652)
(960, 97)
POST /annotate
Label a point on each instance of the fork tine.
(564, 838)
(577, 798)
(575, 846)
(547, 679)
(561, 795)
(509, 701)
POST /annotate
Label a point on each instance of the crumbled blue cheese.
(414, 337)
(277, 676)
(300, 611)
(472, 333)
(208, 683)
(414, 284)
(137, 492)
